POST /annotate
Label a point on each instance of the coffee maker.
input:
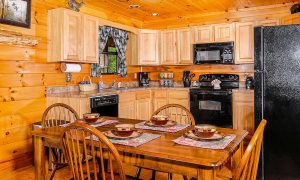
(143, 79)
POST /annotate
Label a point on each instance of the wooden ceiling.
(176, 8)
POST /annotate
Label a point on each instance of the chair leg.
(53, 172)
(137, 174)
(185, 177)
(153, 175)
(169, 176)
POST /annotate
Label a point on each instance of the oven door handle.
(212, 93)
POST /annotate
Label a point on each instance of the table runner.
(220, 144)
(134, 142)
(176, 128)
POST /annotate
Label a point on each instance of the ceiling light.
(134, 6)
(154, 14)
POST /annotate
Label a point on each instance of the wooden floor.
(27, 173)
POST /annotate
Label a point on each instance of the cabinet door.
(143, 109)
(244, 42)
(179, 97)
(184, 46)
(203, 34)
(159, 99)
(90, 33)
(127, 105)
(224, 32)
(243, 110)
(73, 38)
(269, 22)
(148, 44)
(168, 47)
(127, 109)
(132, 49)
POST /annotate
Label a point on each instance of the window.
(108, 60)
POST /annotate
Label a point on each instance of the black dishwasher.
(105, 105)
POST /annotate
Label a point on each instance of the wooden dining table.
(161, 154)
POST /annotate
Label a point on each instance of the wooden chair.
(177, 113)
(247, 167)
(55, 115)
(85, 148)
(58, 114)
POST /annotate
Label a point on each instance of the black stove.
(212, 104)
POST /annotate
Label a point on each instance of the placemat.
(135, 142)
(220, 144)
(176, 128)
(107, 122)
(95, 124)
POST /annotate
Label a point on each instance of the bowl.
(205, 130)
(91, 117)
(160, 119)
(124, 129)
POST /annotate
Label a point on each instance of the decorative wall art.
(15, 12)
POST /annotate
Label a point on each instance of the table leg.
(237, 156)
(40, 159)
(206, 174)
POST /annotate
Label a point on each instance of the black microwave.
(217, 53)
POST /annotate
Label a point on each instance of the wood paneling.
(178, 9)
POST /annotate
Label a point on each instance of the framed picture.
(15, 12)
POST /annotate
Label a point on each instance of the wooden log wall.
(23, 79)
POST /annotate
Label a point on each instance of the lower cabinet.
(141, 104)
(243, 110)
(127, 105)
(80, 105)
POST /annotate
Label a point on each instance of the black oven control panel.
(99, 101)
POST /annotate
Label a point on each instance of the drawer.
(143, 94)
(178, 94)
(127, 96)
(160, 93)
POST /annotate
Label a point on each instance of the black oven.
(212, 107)
(218, 53)
(105, 105)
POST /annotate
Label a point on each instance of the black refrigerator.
(277, 99)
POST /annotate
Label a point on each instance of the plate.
(217, 136)
(110, 134)
(169, 124)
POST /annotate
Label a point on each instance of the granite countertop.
(79, 94)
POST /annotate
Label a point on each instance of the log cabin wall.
(23, 79)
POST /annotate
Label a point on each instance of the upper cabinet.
(204, 34)
(148, 47)
(291, 19)
(244, 42)
(176, 47)
(184, 43)
(168, 47)
(224, 32)
(72, 37)
(214, 33)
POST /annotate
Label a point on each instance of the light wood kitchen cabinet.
(291, 19)
(179, 97)
(184, 45)
(204, 34)
(224, 32)
(159, 99)
(90, 39)
(80, 105)
(148, 45)
(127, 105)
(244, 42)
(132, 49)
(72, 37)
(143, 105)
(243, 110)
(168, 47)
